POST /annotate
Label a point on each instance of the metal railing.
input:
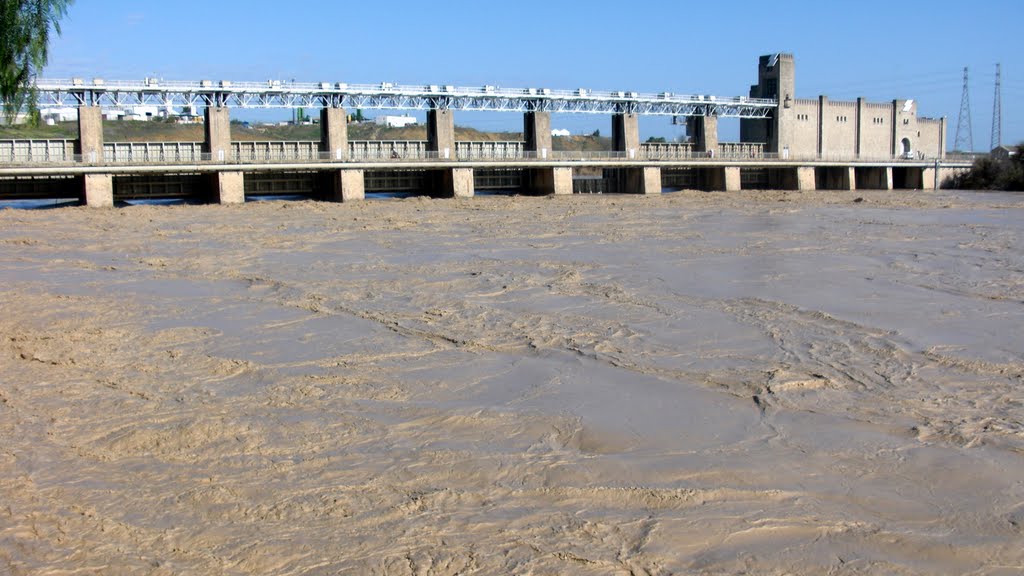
(276, 151)
(964, 156)
(36, 151)
(152, 152)
(61, 152)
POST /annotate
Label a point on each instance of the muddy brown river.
(693, 383)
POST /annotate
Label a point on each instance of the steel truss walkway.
(277, 94)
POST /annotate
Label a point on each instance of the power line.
(854, 83)
(964, 132)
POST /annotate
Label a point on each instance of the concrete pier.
(228, 187)
(334, 134)
(97, 190)
(929, 179)
(556, 181)
(90, 134)
(704, 130)
(805, 179)
(346, 186)
(645, 180)
(626, 134)
(537, 133)
(458, 183)
(733, 183)
(218, 133)
(441, 133)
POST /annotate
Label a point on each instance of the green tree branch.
(25, 27)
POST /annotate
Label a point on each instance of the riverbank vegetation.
(1003, 170)
(25, 28)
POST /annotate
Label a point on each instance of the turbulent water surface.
(760, 383)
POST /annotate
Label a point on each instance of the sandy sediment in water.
(758, 383)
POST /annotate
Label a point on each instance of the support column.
(218, 133)
(805, 178)
(704, 130)
(333, 134)
(537, 133)
(732, 179)
(849, 178)
(346, 186)
(886, 178)
(646, 180)
(90, 134)
(929, 181)
(626, 134)
(441, 133)
(557, 181)
(98, 190)
(458, 183)
(228, 187)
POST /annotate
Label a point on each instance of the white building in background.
(142, 113)
(395, 121)
(53, 115)
(560, 132)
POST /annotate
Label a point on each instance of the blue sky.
(879, 50)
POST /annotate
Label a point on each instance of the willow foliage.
(25, 28)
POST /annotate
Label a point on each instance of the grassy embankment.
(134, 131)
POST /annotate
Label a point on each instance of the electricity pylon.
(997, 113)
(964, 132)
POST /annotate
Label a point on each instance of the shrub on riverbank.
(993, 173)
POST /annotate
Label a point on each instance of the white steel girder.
(273, 94)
